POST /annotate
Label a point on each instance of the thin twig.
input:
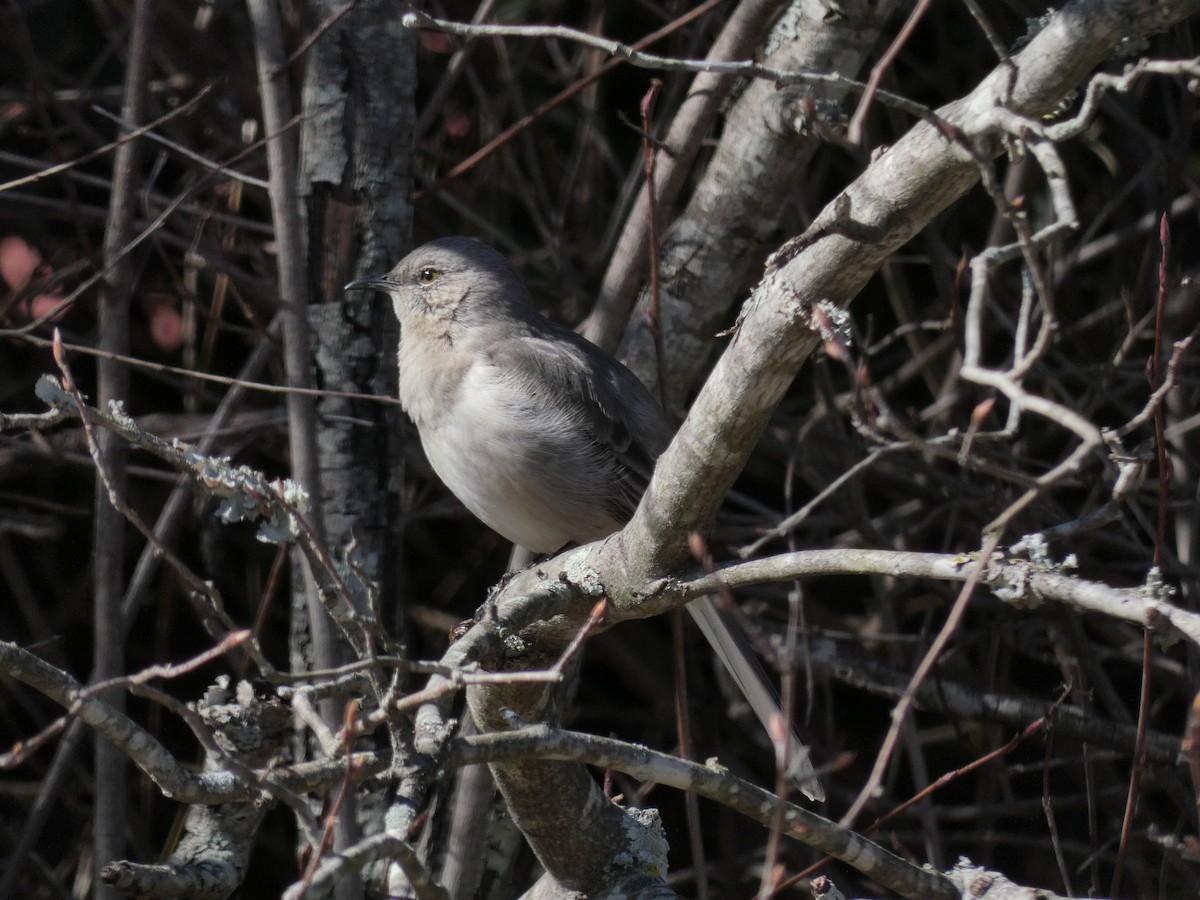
(654, 315)
(557, 100)
(1160, 539)
(904, 705)
(855, 128)
(126, 137)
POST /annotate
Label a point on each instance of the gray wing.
(630, 429)
(625, 423)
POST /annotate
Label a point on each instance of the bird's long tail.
(739, 660)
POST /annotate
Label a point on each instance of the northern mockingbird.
(541, 434)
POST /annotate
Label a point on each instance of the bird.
(543, 436)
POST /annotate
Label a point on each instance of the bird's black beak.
(368, 284)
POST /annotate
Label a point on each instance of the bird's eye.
(428, 275)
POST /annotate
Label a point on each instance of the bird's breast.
(521, 466)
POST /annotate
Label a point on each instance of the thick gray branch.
(901, 192)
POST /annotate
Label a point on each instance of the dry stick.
(654, 315)
(125, 138)
(186, 152)
(450, 76)
(770, 883)
(689, 125)
(854, 130)
(231, 381)
(595, 617)
(22, 750)
(793, 520)
(270, 500)
(377, 847)
(281, 159)
(197, 586)
(357, 630)
(1064, 871)
(683, 730)
(107, 483)
(200, 590)
(170, 516)
(905, 703)
(631, 53)
(682, 725)
(143, 749)
(532, 191)
(1030, 730)
(333, 815)
(108, 543)
(453, 678)
(1160, 537)
(266, 599)
(1092, 801)
(1009, 381)
(175, 780)
(128, 246)
(474, 789)
(312, 38)
(220, 290)
(558, 99)
(1164, 459)
(1169, 380)
(1139, 759)
(717, 784)
(230, 642)
(43, 805)
(989, 30)
(306, 821)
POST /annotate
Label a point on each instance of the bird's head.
(453, 284)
